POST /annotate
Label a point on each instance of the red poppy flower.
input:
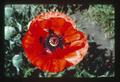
(53, 43)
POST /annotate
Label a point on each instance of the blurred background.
(97, 21)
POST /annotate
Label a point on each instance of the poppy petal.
(36, 28)
(71, 48)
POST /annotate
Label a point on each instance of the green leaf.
(28, 72)
(84, 73)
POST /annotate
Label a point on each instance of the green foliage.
(84, 74)
(104, 15)
(28, 72)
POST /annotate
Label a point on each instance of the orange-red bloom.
(53, 43)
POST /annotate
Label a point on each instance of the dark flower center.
(53, 41)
